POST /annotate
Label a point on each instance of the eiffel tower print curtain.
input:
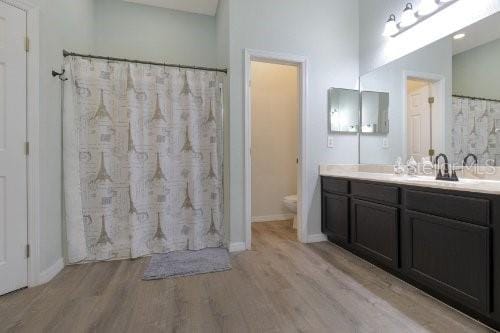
(142, 152)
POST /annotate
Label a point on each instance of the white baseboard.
(237, 246)
(51, 272)
(316, 238)
(272, 218)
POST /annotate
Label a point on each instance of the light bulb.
(391, 27)
(408, 18)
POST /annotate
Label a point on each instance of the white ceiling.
(477, 34)
(206, 7)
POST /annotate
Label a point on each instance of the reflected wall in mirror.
(343, 110)
(374, 112)
(444, 98)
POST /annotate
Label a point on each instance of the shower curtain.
(474, 130)
(142, 153)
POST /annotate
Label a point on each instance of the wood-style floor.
(280, 286)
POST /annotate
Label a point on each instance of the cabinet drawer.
(377, 192)
(336, 217)
(471, 210)
(375, 231)
(334, 185)
(450, 257)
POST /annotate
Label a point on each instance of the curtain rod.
(477, 98)
(67, 54)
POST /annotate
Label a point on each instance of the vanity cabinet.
(466, 209)
(336, 216)
(441, 241)
(450, 257)
(375, 231)
(384, 194)
(335, 211)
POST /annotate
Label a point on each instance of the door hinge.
(27, 250)
(27, 44)
(26, 148)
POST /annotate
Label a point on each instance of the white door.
(418, 123)
(13, 192)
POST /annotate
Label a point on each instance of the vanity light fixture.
(412, 17)
(459, 36)
(408, 18)
(391, 28)
(427, 7)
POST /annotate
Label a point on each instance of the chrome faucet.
(446, 176)
(466, 159)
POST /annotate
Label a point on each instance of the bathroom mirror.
(443, 98)
(374, 112)
(343, 110)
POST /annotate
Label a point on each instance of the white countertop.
(381, 174)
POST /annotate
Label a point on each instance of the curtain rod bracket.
(60, 75)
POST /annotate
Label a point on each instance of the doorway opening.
(424, 116)
(275, 147)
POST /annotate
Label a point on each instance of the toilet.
(290, 202)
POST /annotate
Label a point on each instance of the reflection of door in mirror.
(418, 119)
(421, 118)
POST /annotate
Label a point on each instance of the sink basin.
(421, 178)
(430, 179)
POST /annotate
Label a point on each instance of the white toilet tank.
(290, 202)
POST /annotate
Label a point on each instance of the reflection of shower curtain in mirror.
(142, 159)
(476, 129)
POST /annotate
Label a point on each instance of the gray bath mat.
(186, 263)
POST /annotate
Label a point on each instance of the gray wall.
(372, 17)
(143, 32)
(222, 33)
(326, 32)
(222, 38)
(476, 72)
(63, 24)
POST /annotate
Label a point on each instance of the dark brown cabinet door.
(375, 231)
(336, 216)
(450, 257)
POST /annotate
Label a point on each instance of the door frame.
(440, 81)
(32, 136)
(301, 63)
